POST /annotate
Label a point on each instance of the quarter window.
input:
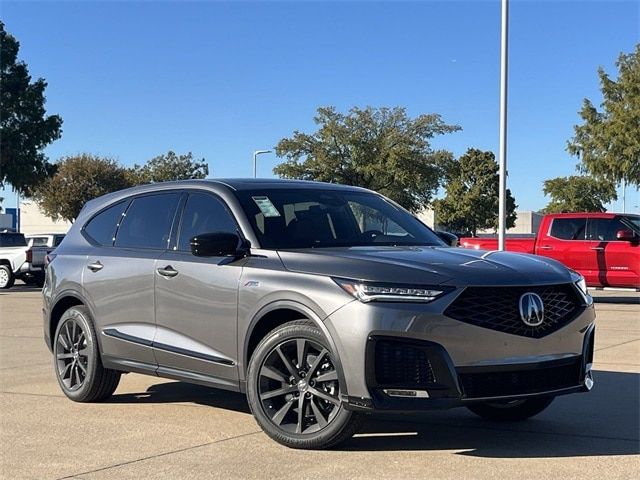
(102, 227)
(204, 214)
(147, 222)
(568, 228)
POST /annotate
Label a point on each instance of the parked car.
(321, 302)
(19, 261)
(603, 247)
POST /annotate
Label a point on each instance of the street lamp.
(255, 160)
(502, 154)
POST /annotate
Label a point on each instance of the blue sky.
(221, 79)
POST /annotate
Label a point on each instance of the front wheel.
(293, 389)
(511, 411)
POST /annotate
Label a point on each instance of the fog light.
(588, 377)
(395, 392)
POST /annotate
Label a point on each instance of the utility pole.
(504, 66)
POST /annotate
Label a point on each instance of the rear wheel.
(78, 367)
(511, 411)
(7, 278)
(294, 390)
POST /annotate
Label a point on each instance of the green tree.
(25, 129)
(608, 142)
(471, 199)
(578, 194)
(77, 180)
(170, 166)
(378, 148)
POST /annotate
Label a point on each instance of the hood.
(427, 265)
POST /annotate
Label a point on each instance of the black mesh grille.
(402, 364)
(505, 383)
(497, 308)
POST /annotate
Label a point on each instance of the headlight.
(378, 292)
(582, 285)
(579, 280)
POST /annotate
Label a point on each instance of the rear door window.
(102, 228)
(147, 222)
(568, 228)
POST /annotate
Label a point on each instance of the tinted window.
(147, 222)
(294, 218)
(102, 227)
(203, 214)
(568, 228)
(12, 240)
(604, 229)
(57, 240)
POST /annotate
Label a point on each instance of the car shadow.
(605, 421)
(180, 392)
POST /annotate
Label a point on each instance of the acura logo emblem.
(531, 309)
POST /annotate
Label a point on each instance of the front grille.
(497, 308)
(553, 376)
(402, 364)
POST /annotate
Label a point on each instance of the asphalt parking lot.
(156, 428)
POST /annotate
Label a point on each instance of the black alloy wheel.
(298, 386)
(293, 389)
(77, 361)
(71, 351)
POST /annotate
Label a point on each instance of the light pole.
(255, 160)
(504, 66)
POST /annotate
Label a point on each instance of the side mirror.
(218, 244)
(448, 238)
(625, 235)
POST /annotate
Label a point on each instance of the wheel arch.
(63, 303)
(278, 313)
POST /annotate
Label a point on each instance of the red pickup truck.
(604, 247)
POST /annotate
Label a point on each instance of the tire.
(511, 411)
(76, 359)
(276, 392)
(7, 278)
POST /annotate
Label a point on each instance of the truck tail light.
(29, 256)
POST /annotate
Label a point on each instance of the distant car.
(603, 247)
(17, 260)
(322, 302)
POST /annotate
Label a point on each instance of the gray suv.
(323, 303)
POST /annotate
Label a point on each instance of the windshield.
(296, 218)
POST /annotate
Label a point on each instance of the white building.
(32, 220)
(526, 221)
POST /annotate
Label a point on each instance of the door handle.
(546, 247)
(95, 266)
(597, 248)
(167, 271)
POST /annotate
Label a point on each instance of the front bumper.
(466, 363)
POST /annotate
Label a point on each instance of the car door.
(615, 262)
(196, 299)
(120, 274)
(565, 242)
